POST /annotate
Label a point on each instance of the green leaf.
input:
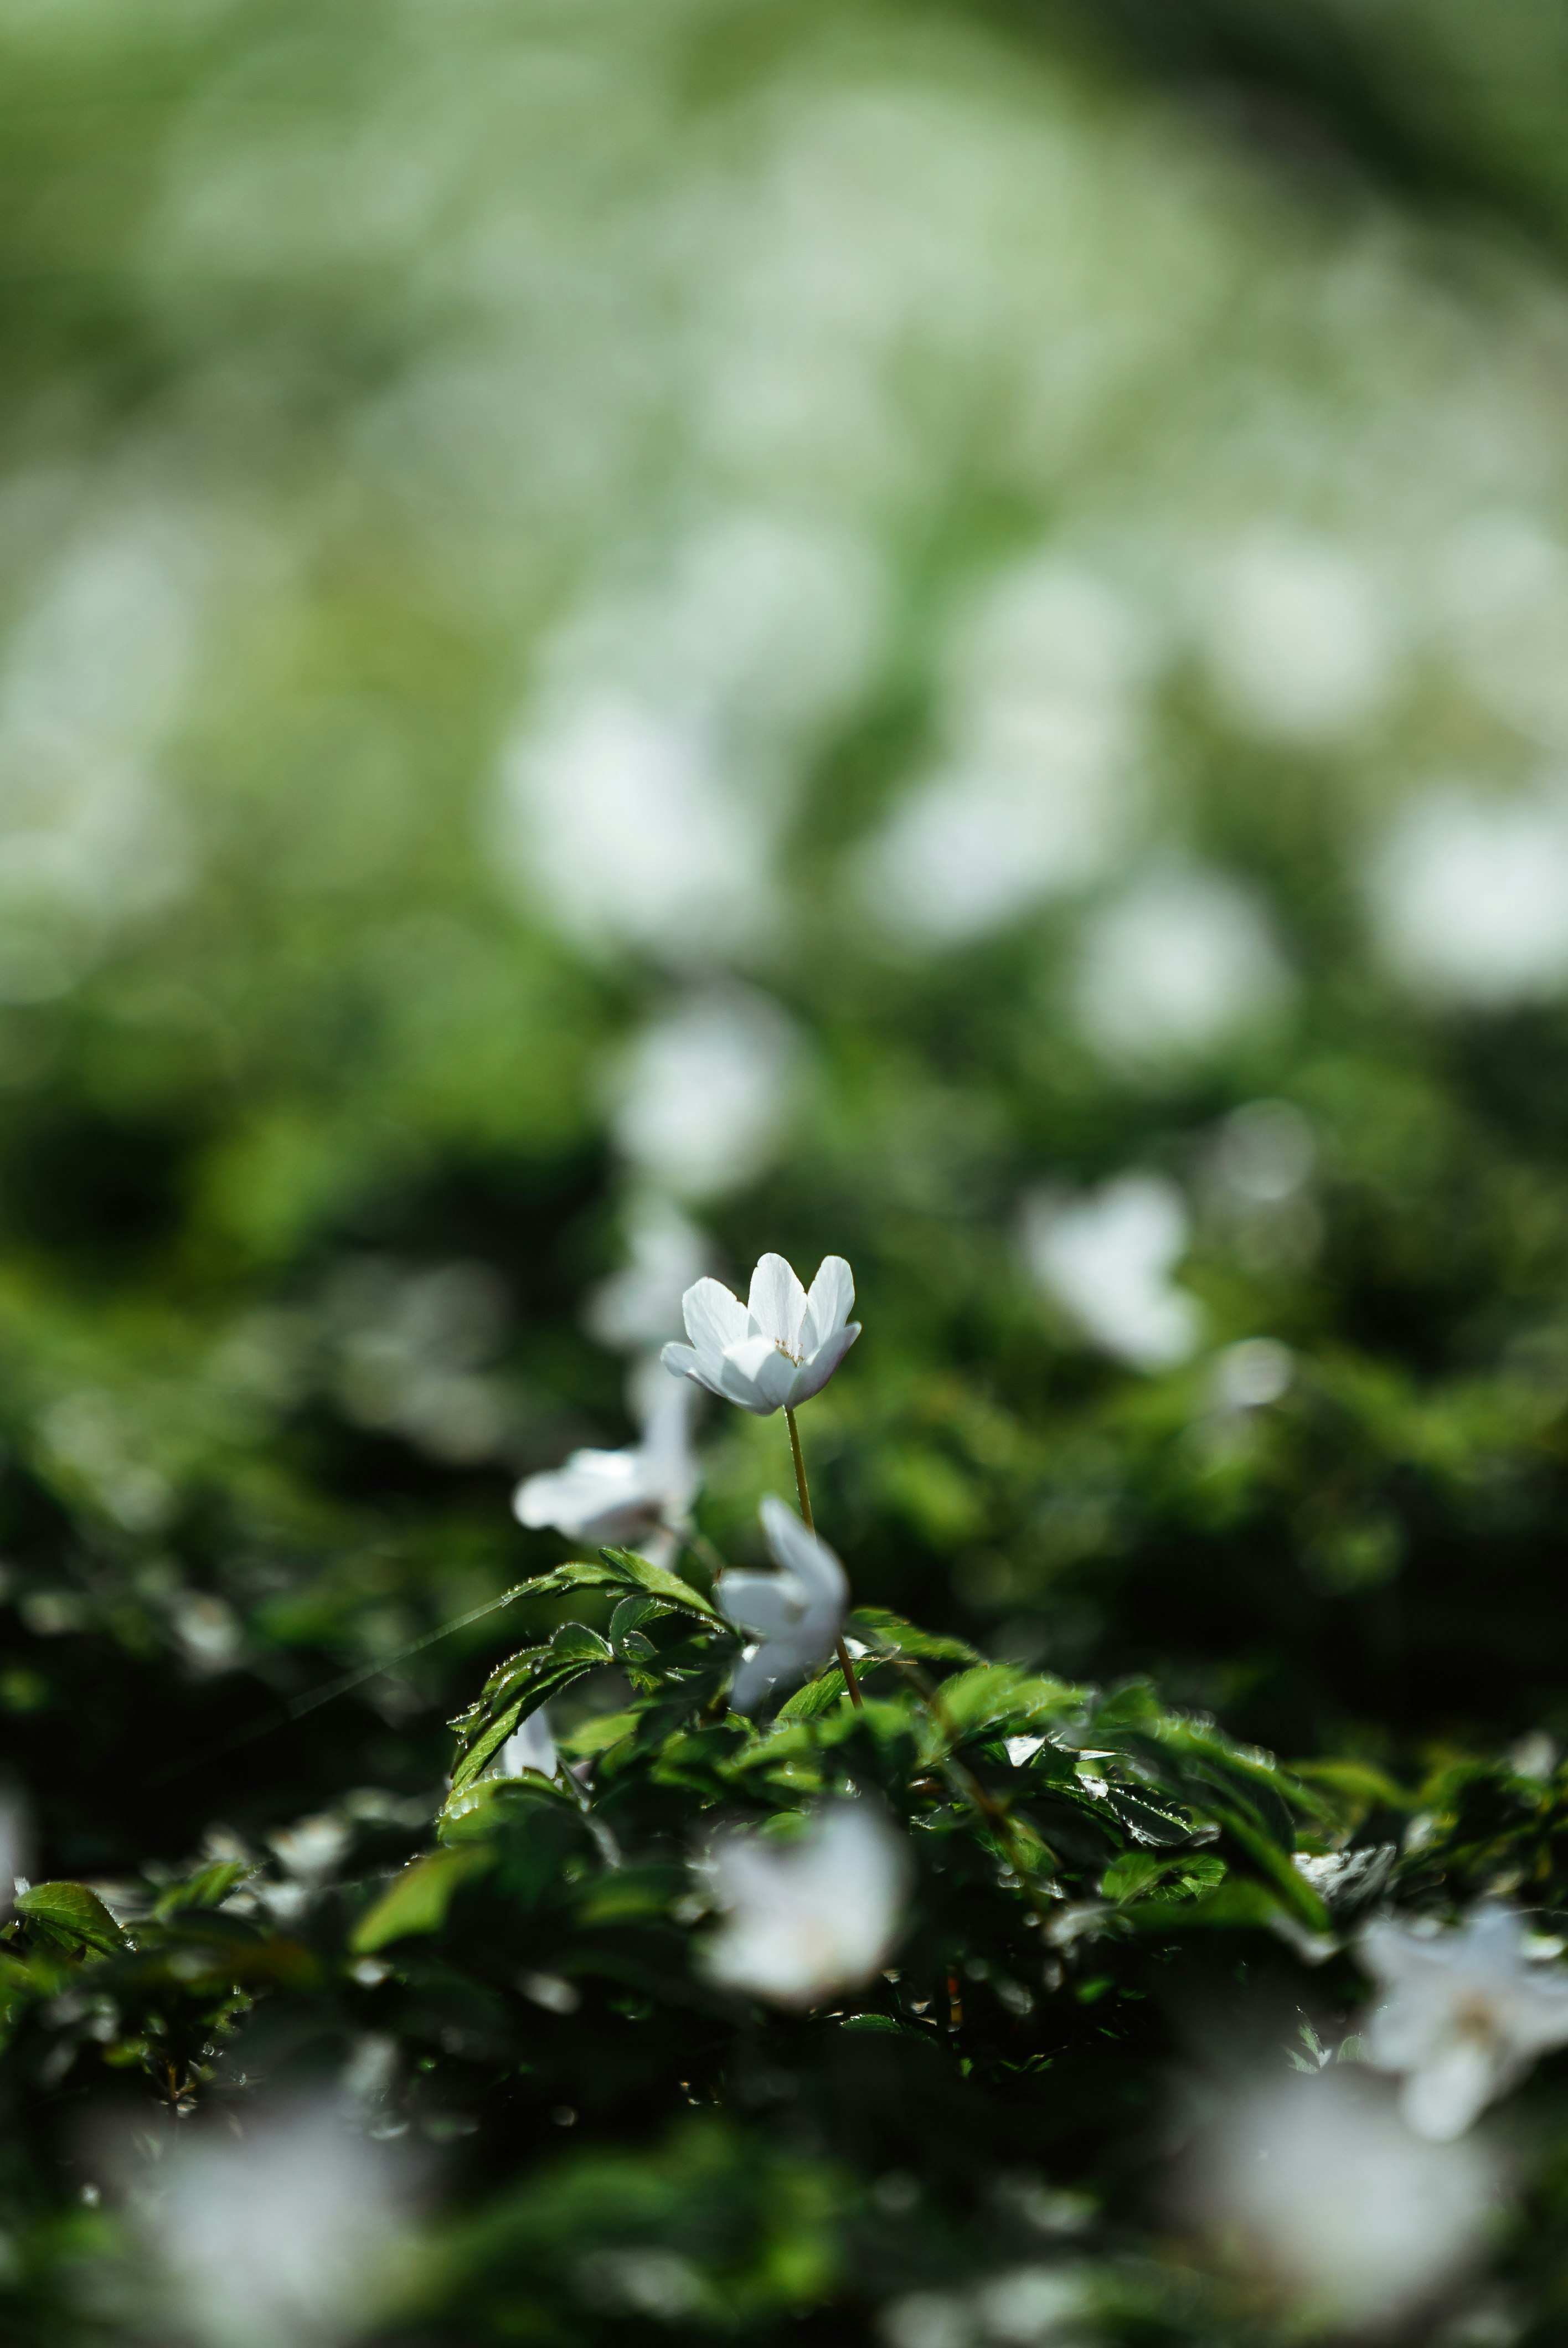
(875, 1626)
(659, 1582)
(417, 1899)
(208, 1889)
(67, 1913)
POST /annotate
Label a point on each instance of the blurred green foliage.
(838, 399)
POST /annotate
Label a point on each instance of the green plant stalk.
(844, 1665)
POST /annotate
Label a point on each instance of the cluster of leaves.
(1112, 1903)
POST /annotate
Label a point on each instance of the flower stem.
(844, 1665)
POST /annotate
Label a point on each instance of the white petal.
(713, 1319)
(830, 1303)
(670, 1467)
(813, 1375)
(777, 1303)
(752, 1680)
(762, 1604)
(805, 1554)
(1441, 2100)
(593, 1489)
(756, 1374)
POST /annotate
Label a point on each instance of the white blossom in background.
(92, 682)
(1315, 2186)
(1032, 795)
(637, 1497)
(642, 797)
(809, 1919)
(1503, 591)
(637, 1307)
(1463, 2015)
(1304, 642)
(780, 1347)
(796, 1614)
(1106, 1260)
(285, 2239)
(1469, 895)
(626, 826)
(1184, 964)
(701, 1100)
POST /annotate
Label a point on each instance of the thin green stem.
(844, 1665)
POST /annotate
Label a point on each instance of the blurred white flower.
(1315, 2186)
(529, 1746)
(642, 798)
(311, 1848)
(1031, 799)
(1106, 1260)
(811, 1917)
(701, 1100)
(1184, 964)
(287, 2238)
(635, 1497)
(1470, 895)
(777, 1349)
(1302, 641)
(617, 815)
(797, 1614)
(640, 1306)
(92, 682)
(1464, 2014)
(1503, 591)
(1248, 1376)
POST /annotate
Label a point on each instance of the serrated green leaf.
(416, 1902)
(875, 1625)
(659, 1582)
(69, 1915)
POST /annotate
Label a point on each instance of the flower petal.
(756, 1374)
(762, 1604)
(776, 1302)
(830, 1303)
(713, 1319)
(813, 1375)
(682, 1362)
(1440, 2100)
(805, 1554)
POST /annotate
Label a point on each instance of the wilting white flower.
(777, 1349)
(639, 1495)
(1464, 2015)
(286, 2236)
(1314, 2184)
(796, 1613)
(1107, 1257)
(810, 1918)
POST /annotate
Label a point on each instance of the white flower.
(286, 2235)
(1106, 1259)
(777, 1349)
(1316, 2188)
(531, 1747)
(641, 1305)
(639, 1495)
(797, 1614)
(1464, 2015)
(810, 1918)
